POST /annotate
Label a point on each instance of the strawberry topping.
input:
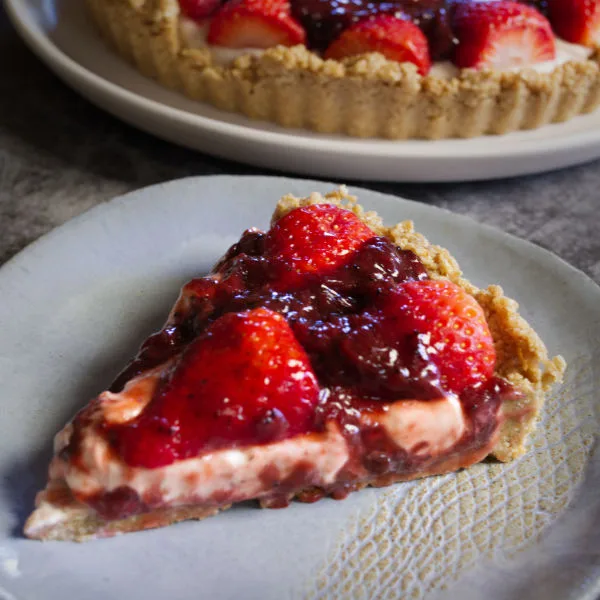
(395, 38)
(501, 34)
(314, 240)
(451, 326)
(576, 21)
(473, 33)
(255, 24)
(316, 320)
(246, 380)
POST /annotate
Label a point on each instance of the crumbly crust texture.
(363, 96)
(522, 359)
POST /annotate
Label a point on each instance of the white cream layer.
(194, 36)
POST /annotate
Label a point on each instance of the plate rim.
(19, 12)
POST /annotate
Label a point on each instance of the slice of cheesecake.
(325, 355)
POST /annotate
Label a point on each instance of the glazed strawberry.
(314, 240)
(453, 330)
(395, 38)
(198, 9)
(246, 381)
(576, 21)
(501, 34)
(255, 24)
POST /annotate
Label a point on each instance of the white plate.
(76, 304)
(58, 31)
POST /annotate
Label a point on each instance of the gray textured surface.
(59, 156)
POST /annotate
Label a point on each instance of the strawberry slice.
(395, 38)
(576, 21)
(246, 381)
(255, 24)
(313, 240)
(452, 327)
(501, 34)
(199, 9)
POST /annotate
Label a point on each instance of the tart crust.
(522, 359)
(363, 96)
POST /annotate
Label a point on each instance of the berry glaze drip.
(329, 318)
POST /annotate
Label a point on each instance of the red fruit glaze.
(324, 20)
(255, 24)
(314, 240)
(395, 38)
(453, 328)
(576, 21)
(199, 9)
(245, 381)
(501, 34)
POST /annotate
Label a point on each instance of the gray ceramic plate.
(76, 304)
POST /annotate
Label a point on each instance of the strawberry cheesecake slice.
(325, 355)
(391, 68)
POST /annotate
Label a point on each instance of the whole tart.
(362, 96)
(325, 355)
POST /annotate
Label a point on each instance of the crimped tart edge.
(365, 96)
(522, 359)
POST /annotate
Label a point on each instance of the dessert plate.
(59, 32)
(76, 304)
